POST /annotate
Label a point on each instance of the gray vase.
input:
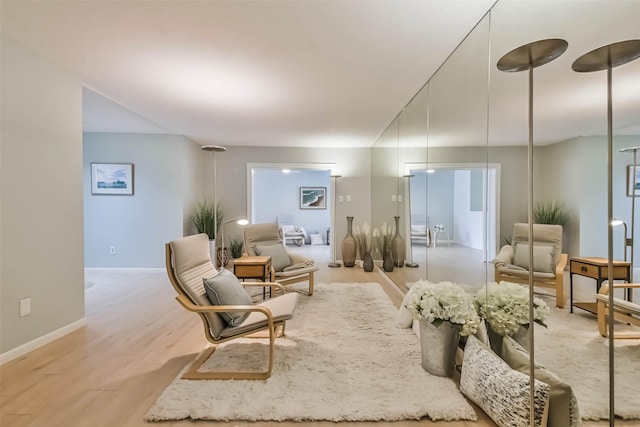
(387, 260)
(367, 262)
(439, 345)
(397, 246)
(349, 245)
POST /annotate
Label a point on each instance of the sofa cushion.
(501, 392)
(563, 405)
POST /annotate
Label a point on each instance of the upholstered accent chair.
(288, 267)
(623, 311)
(193, 275)
(291, 233)
(512, 262)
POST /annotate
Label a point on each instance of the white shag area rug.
(343, 360)
(573, 349)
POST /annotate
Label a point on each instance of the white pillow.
(542, 257)
(418, 229)
(288, 229)
(316, 239)
(404, 319)
(501, 392)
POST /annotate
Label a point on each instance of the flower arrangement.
(505, 307)
(444, 301)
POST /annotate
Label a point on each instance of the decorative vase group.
(349, 245)
(438, 345)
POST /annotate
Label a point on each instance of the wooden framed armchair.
(512, 262)
(188, 263)
(288, 267)
(623, 311)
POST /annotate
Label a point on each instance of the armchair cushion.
(225, 289)
(504, 257)
(279, 256)
(542, 257)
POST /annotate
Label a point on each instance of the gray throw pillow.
(542, 257)
(225, 289)
(279, 257)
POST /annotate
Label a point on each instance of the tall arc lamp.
(408, 199)
(214, 149)
(607, 58)
(334, 263)
(527, 58)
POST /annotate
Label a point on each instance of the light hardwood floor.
(136, 341)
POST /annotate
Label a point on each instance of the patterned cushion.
(225, 289)
(563, 405)
(500, 391)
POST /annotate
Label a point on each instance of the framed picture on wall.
(631, 182)
(313, 197)
(112, 178)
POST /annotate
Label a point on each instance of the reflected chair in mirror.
(288, 267)
(291, 233)
(623, 311)
(233, 315)
(512, 262)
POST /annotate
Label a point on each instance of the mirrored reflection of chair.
(623, 311)
(288, 267)
(512, 262)
(291, 233)
(195, 279)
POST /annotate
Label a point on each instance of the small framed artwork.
(633, 184)
(313, 197)
(112, 178)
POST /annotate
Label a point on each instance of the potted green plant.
(236, 245)
(207, 219)
(551, 212)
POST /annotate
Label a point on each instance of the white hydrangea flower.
(444, 301)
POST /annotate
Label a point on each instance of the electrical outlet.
(400, 197)
(393, 197)
(340, 199)
(112, 250)
(25, 307)
(348, 197)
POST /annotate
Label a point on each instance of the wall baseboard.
(41, 341)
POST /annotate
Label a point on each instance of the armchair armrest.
(562, 264)
(186, 303)
(299, 259)
(504, 257)
(604, 289)
(274, 285)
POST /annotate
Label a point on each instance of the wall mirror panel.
(469, 125)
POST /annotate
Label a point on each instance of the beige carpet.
(343, 359)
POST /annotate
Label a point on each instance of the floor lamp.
(333, 262)
(606, 58)
(408, 199)
(214, 149)
(526, 58)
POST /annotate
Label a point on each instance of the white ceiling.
(309, 73)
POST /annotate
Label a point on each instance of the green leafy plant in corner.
(236, 245)
(203, 217)
(551, 212)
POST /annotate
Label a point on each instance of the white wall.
(170, 173)
(469, 226)
(41, 251)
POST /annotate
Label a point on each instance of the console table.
(595, 268)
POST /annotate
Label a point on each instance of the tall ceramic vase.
(349, 245)
(439, 345)
(397, 246)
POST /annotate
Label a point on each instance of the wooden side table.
(596, 268)
(254, 267)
